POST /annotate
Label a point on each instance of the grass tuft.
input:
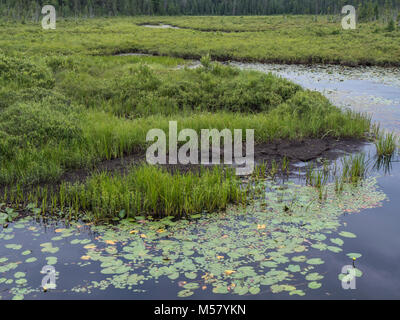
(143, 190)
(386, 145)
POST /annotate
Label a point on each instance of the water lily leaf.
(337, 241)
(334, 249)
(241, 290)
(314, 285)
(297, 292)
(347, 234)
(13, 246)
(174, 275)
(19, 274)
(185, 293)
(191, 286)
(254, 290)
(51, 260)
(314, 276)
(315, 261)
(299, 258)
(191, 275)
(220, 289)
(293, 268)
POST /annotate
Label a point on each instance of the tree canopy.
(30, 9)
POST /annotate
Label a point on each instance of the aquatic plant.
(354, 168)
(386, 145)
(8, 215)
(142, 190)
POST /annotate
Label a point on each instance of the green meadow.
(281, 39)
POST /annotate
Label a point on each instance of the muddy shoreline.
(304, 151)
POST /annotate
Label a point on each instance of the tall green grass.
(386, 145)
(352, 170)
(143, 190)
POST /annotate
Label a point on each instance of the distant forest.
(30, 9)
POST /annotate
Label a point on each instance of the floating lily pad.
(347, 234)
(314, 285)
(315, 261)
(354, 255)
(185, 293)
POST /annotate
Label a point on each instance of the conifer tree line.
(31, 9)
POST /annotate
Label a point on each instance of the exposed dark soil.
(298, 152)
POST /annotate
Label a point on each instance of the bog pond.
(287, 244)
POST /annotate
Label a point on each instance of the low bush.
(24, 72)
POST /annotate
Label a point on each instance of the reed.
(143, 190)
(386, 145)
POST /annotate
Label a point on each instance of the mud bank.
(298, 152)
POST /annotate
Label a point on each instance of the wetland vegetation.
(71, 107)
(64, 113)
(277, 39)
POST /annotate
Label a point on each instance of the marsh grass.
(154, 192)
(316, 178)
(386, 145)
(143, 190)
(352, 170)
(279, 39)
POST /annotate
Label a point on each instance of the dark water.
(377, 92)
(378, 238)
(377, 230)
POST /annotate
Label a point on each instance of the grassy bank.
(60, 114)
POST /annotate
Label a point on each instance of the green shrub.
(24, 72)
(216, 88)
(59, 63)
(35, 124)
(9, 96)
